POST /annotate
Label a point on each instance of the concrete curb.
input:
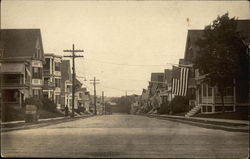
(41, 123)
(235, 127)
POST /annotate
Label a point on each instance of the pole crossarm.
(73, 56)
(73, 50)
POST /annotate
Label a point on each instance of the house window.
(204, 90)
(229, 91)
(57, 99)
(57, 66)
(37, 54)
(36, 92)
(210, 89)
(58, 82)
(37, 73)
(47, 64)
(46, 80)
(69, 88)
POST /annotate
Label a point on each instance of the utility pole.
(103, 102)
(95, 81)
(73, 56)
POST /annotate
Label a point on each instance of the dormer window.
(38, 50)
(37, 54)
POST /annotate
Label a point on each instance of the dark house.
(21, 66)
(206, 97)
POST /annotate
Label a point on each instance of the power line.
(87, 87)
(119, 89)
(112, 63)
(141, 65)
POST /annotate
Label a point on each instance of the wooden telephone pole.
(103, 104)
(95, 81)
(73, 56)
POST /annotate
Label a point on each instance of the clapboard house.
(21, 66)
(207, 98)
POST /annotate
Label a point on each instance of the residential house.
(21, 66)
(156, 83)
(207, 98)
(66, 85)
(78, 90)
(166, 94)
(79, 98)
(52, 78)
(86, 100)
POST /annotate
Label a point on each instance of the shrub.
(41, 102)
(179, 104)
(48, 105)
(33, 101)
(164, 109)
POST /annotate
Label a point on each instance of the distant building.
(156, 83)
(79, 98)
(21, 66)
(52, 78)
(86, 101)
(166, 92)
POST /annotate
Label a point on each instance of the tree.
(222, 54)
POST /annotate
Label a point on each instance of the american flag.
(180, 81)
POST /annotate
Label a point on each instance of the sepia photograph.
(125, 78)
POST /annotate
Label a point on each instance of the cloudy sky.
(124, 41)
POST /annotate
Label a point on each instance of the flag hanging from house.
(180, 81)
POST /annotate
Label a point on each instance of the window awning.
(12, 68)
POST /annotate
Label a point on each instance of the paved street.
(124, 136)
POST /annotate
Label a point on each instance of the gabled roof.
(52, 55)
(192, 37)
(20, 43)
(81, 89)
(157, 76)
(78, 83)
(243, 27)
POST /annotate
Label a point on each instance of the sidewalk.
(18, 125)
(222, 124)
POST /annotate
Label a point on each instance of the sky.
(123, 41)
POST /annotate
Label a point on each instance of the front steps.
(193, 111)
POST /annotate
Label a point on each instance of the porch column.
(201, 97)
(207, 92)
(20, 99)
(234, 87)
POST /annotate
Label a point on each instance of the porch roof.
(12, 68)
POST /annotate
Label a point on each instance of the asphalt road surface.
(124, 136)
